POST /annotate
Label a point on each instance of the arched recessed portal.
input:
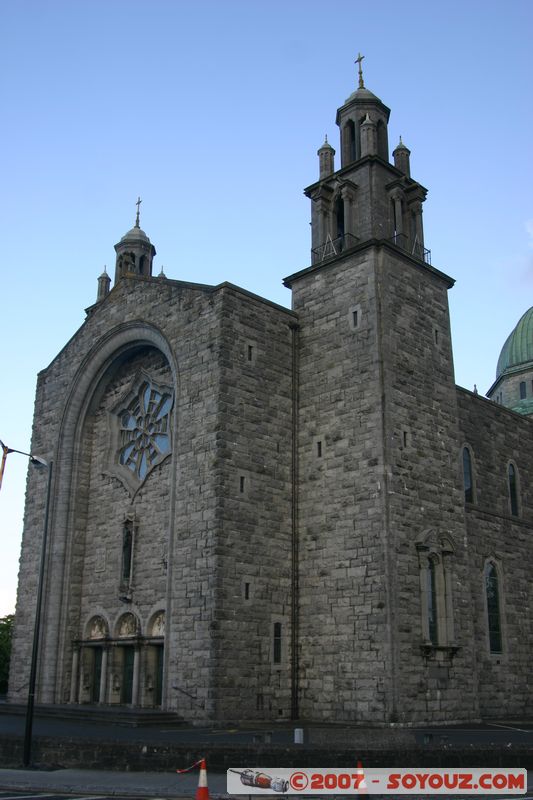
(94, 653)
(89, 522)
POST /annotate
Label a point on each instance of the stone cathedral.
(263, 513)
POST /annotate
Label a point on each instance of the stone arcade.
(267, 513)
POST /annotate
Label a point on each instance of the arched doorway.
(126, 664)
(155, 650)
(94, 652)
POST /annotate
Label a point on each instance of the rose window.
(144, 435)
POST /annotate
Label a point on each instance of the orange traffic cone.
(362, 787)
(202, 792)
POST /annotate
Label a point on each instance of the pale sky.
(212, 112)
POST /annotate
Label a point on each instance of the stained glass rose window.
(142, 422)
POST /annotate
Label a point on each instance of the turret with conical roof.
(104, 282)
(135, 252)
(401, 155)
(326, 156)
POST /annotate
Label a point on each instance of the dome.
(362, 94)
(400, 146)
(326, 145)
(135, 233)
(518, 347)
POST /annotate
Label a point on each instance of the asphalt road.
(87, 795)
(501, 733)
(13, 795)
(100, 785)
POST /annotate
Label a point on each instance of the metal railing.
(332, 247)
(414, 248)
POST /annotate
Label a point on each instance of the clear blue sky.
(213, 111)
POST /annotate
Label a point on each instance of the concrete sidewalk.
(102, 782)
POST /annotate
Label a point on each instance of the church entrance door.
(126, 694)
(158, 688)
(96, 675)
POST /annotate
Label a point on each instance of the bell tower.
(379, 499)
(368, 198)
(135, 252)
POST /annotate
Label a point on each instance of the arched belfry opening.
(393, 219)
(126, 263)
(339, 230)
(350, 148)
(383, 144)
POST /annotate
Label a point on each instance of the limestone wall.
(425, 516)
(497, 436)
(343, 629)
(254, 496)
(200, 542)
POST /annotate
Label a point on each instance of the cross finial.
(138, 204)
(358, 61)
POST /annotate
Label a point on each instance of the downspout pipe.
(294, 327)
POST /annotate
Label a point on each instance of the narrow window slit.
(277, 643)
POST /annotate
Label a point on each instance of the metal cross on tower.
(358, 61)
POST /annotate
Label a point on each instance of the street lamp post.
(37, 629)
(37, 460)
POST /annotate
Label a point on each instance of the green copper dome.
(518, 347)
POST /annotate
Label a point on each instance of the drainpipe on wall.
(294, 526)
